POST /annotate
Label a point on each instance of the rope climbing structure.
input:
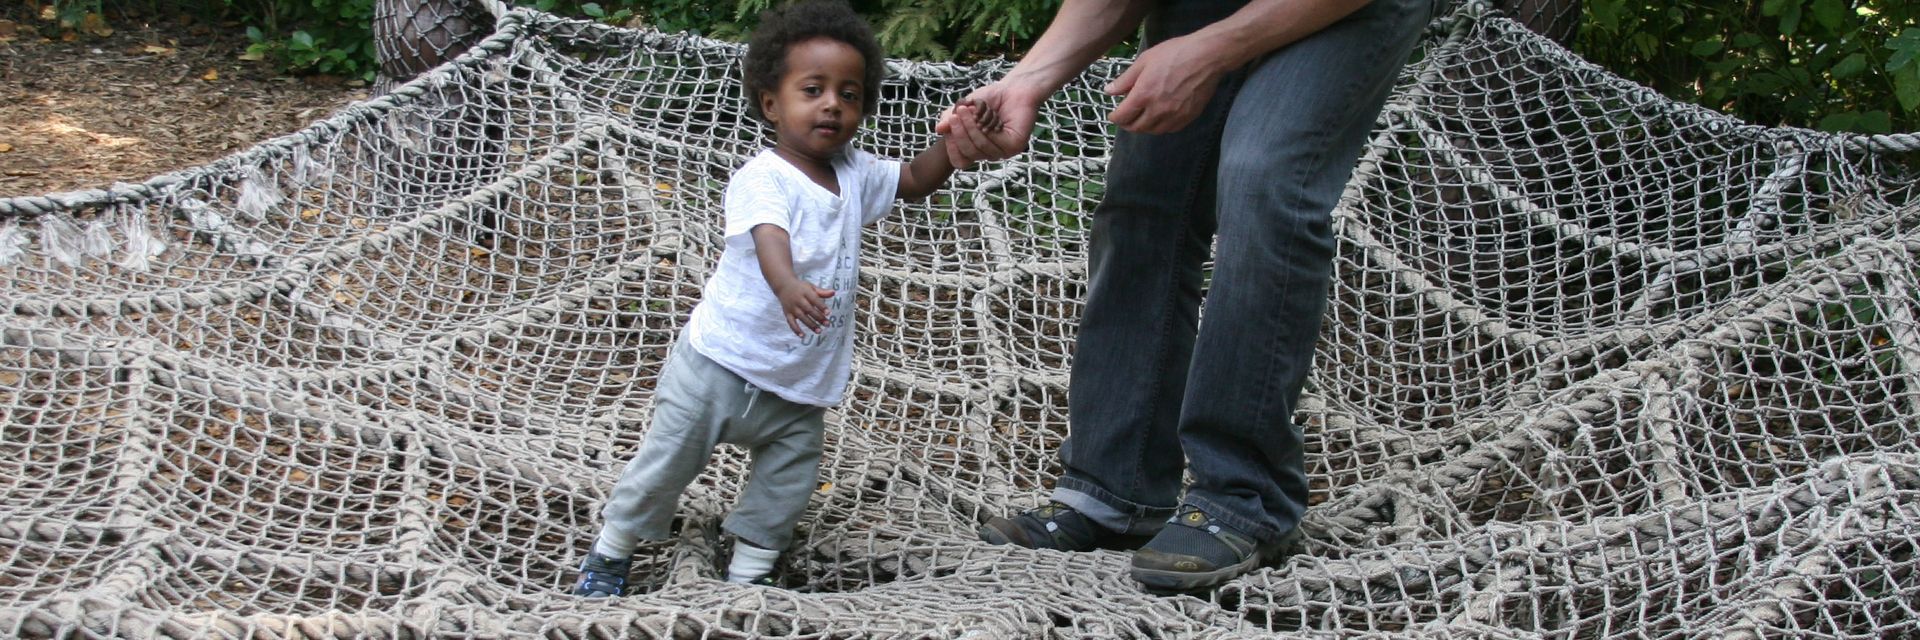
(1596, 365)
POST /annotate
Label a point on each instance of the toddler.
(769, 347)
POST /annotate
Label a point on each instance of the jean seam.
(1215, 511)
(1297, 203)
(1270, 380)
(1165, 325)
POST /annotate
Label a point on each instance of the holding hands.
(1163, 91)
(992, 123)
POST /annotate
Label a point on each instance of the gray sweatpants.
(697, 404)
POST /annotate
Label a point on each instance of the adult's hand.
(1168, 85)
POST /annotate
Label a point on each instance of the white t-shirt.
(738, 322)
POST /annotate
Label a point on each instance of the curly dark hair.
(782, 27)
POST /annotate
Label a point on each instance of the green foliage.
(311, 36)
(712, 19)
(71, 14)
(949, 29)
(1834, 65)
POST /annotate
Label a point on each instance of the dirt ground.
(81, 111)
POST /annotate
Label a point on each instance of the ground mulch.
(83, 110)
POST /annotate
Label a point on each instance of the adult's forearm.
(1264, 26)
(1081, 32)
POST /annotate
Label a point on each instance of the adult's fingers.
(957, 154)
(944, 125)
(1133, 105)
(1128, 114)
(969, 141)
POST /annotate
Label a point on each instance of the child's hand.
(984, 115)
(805, 305)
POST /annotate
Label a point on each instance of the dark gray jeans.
(1261, 171)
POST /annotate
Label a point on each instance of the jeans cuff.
(1219, 513)
(1109, 510)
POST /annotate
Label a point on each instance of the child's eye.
(811, 91)
(849, 96)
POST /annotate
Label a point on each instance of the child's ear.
(766, 106)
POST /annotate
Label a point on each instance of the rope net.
(1596, 365)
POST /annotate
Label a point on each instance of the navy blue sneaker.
(1056, 526)
(1193, 553)
(602, 577)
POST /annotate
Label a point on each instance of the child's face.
(817, 105)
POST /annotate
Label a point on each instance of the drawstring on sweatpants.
(753, 393)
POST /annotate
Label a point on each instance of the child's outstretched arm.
(805, 305)
(929, 170)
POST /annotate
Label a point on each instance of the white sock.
(750, 562)
(614, 545)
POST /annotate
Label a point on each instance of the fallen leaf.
(309, 214)
(157, 50)
(96, 24)
(4, 147)
(297, 476)
(251, 55)
(475, 252)
(48, 14)
(9, 378)
(211, 75)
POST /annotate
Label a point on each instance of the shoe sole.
(990, 535)
(1170, 581)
